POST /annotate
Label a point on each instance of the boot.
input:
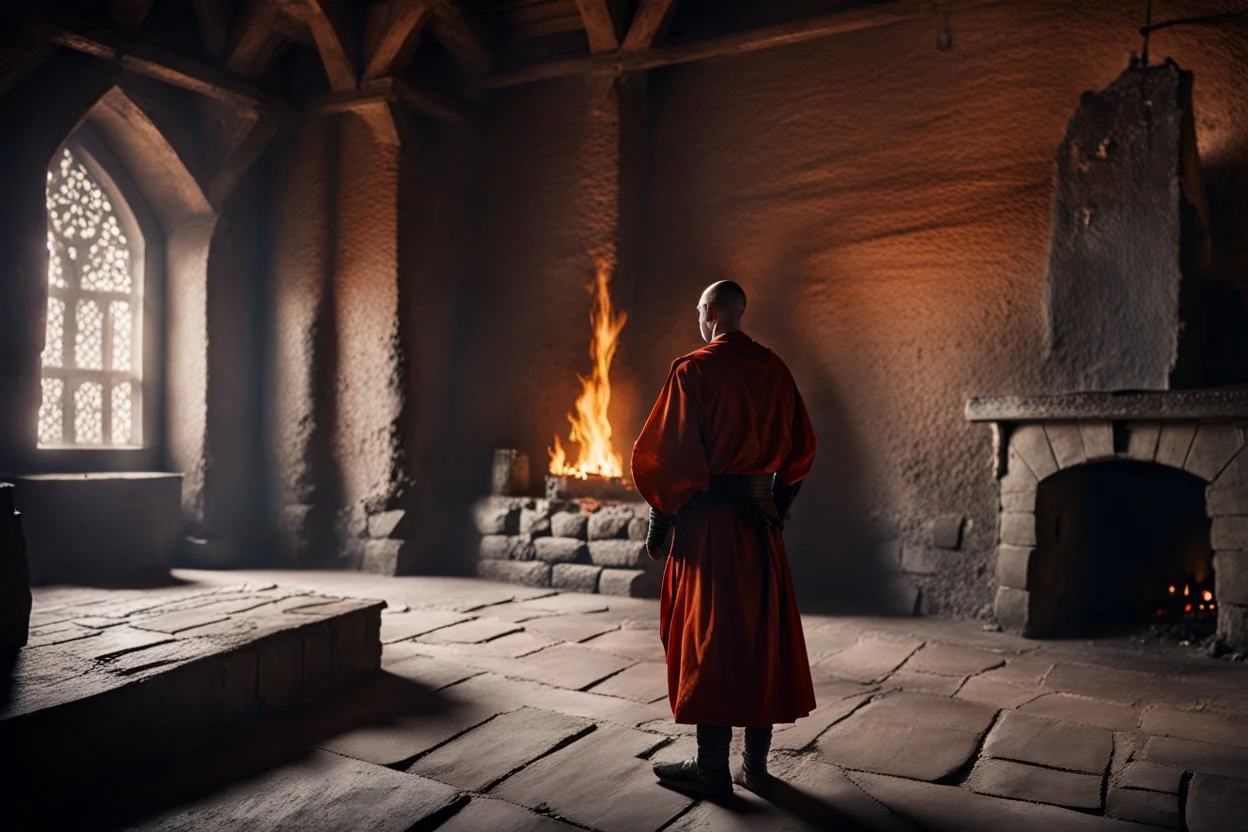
(753, 774)
(706, 773)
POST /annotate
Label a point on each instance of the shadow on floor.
(112, 799)
(149, 578)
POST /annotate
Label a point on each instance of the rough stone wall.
(887, 207)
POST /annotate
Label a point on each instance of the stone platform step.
(114, 678)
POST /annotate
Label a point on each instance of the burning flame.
(591, 429)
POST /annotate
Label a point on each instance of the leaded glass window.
(92, 355)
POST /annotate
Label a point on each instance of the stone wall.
(566, 544)
(887, 206)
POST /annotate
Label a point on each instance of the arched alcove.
(1113, 538)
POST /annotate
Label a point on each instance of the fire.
(591, 429)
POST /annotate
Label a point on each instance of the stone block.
(1151, 808)
(1013, 609)
(947, 531)
(1221, 502)
(280, 673)
(1229, 533)
(560, 549)
(1067, 442)
(1098, 440)
(1018, 528)
(575, 577)
(528, 573)
(510, 473)
(1231, 572)
(534, 522)
(1216, 803)
(1046, 742)
(631, 583)
(387, 524)
(1019, 500)
(1019, 781)
(919, 560)
(1031, 443)
(1018, 475)
(608, 524)
(1213, 447)
(1142, 774)
(1174, 443)
(504, 547)
(638, 528)
(381, 557)
(1022, 567)
(1233, 624)
(497, 516)
(569, 524)
(623, 554)
(1142, 440)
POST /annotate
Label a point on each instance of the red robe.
(729, 408)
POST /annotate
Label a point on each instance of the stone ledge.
(1223, 404)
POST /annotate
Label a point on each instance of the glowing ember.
(591, 429)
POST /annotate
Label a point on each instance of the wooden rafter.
(391, 33)
(128, 15)
(214, 29)
(461, 34)
(601, 26)
(740, 43)
(392, 91)
(648, 21)
(255, 43)
(154, 62)
(335, 42)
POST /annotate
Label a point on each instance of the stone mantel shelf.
(1217, 404)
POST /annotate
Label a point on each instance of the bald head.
(720, 309)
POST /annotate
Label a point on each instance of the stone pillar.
(1227, 505)
(369, 377)
(307, 481)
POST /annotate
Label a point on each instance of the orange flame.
(591, 429)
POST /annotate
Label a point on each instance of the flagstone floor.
(500, 707)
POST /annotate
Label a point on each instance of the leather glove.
(660, 525)
(783, 496)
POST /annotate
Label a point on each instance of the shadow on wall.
(1227, 303)
(832, 545)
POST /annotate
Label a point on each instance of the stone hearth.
(575, 545)
(1200, 432)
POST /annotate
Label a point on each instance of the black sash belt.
(753, 493)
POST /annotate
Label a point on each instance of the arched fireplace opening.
(1125, 545)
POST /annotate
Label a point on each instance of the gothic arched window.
(92, 357)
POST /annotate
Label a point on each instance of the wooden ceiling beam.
(391, 33)
(651, 17)
(152, 61)
(724, 46)
(334, 35)
(128, 15)
(390, 90)
(255, 43)
(214, 28)
(462, 35)
(601, 26)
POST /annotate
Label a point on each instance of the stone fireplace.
(1155, 495)
(1126, 487)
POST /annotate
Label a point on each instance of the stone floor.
(506, 708)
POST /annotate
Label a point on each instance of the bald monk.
(720, 459)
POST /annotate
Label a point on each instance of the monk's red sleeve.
(669, 460)
(803, 445)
